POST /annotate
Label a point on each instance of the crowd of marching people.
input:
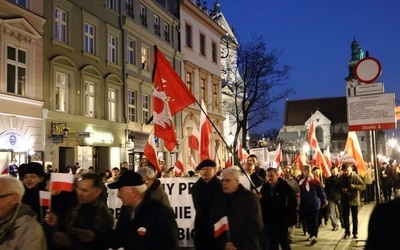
(228, 215)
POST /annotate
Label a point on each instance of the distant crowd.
(228, 216)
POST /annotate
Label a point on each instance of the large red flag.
(170, 95)
(353, 149)
(205, 131)
(150, 152)
(178, 166)
(194, 139)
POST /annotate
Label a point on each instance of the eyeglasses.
(226, 180)
(5, 195)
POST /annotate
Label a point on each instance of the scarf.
(305, 182)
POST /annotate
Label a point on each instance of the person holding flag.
(204, 191)
(89, 223)
(241, 209)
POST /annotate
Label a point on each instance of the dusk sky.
(314, 37)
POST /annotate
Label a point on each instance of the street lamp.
(230, 139)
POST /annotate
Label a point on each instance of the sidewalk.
(328, 239)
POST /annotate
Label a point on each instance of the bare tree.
(253, 85)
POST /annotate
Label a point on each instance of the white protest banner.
(180, 197)
(113, 203)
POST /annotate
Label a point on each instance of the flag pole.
(236, 158)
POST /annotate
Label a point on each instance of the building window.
(214, 51)
(129, 8)
(166, 32)
(89, 38)
(60, 25)
(203, 89)
(89, 99)
(22, 3)
(61, 92)
(112, 105)
(188, 29)
(112, 49)
(215, 95)
(143, 15)
(145, 58)
(131, 52)
(145, 108)
(132, 105)
(319, 134)
(202, 44)
(16, 70)
(189, 81)
(111, 4)
(157, 25)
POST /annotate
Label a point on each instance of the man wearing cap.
(144, 223)
(203, 193)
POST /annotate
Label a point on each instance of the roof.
(297, 112)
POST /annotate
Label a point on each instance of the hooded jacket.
(20, 230)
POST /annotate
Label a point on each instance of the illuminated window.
(89, 99)
(61, 97)
(132, 105)
(145, 108)
(203, 89)
(145, 58)
(112, 104)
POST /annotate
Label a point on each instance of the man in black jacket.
(203, 194)
(278, 204)
(144, 223)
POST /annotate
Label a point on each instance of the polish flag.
(353, 149)
(194, 139)
(45, 198)
(221, 226)
(278, 158)
(62, 182)
(301, 159)
(205, 131)
(242, 154)
(4, 168)
(150, 152)
(318, 156)
(327, 155)
(178, 167)
(170, 96)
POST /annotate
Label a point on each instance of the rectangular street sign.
(371, 112)
(369, 89)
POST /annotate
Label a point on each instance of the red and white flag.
(278, 158)
(44, 197)
(318, 156)
(150, 151)
(327, 155)
(221, 226)
(170, 96)
(4, 168)
(301, 159)
(353, 149)
(205, 131)
(62, 182)
(194, 139)
(178, 166)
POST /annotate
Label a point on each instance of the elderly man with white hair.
(18, 226)
(242, 210)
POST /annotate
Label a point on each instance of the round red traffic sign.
(368, 70)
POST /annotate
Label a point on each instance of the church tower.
(356, 55)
